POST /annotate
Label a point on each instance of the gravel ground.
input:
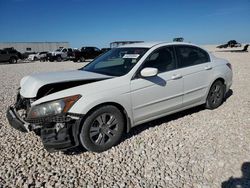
(195, 148)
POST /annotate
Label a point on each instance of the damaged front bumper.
(56, 132)
(16, 121)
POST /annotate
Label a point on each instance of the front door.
(155, 96)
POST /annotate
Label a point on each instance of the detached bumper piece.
(16, 121)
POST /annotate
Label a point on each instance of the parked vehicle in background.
(25, 55)
(37, 56)
(121, 43)
(9, 55)
(127, 86)
(178, 39)
(222, 46)
(87, 52)
(61, 54)
(231, 43)
(103, 50)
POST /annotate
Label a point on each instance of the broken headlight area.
(51, 121)
(52, 108)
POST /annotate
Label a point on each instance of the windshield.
(116, 62)
(58, 50)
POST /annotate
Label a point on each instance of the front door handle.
(208, 67)
(176, 76)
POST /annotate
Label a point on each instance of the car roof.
(151, 44)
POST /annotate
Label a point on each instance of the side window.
(64, 50)
(163, 59)
(189, 56)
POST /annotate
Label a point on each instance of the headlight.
(51, 108)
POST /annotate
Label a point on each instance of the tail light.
(229, 66)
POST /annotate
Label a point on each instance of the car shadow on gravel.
(242, 182)
(140, 128)
(228, 94)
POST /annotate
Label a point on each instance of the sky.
(99, 22)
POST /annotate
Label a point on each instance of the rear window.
(191, 55)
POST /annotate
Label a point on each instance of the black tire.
(102, 129)
(12, 60)
(216, 95)
(58, 58)
(35, 58)
(82, 59)
(75, 60)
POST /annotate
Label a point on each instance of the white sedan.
(124, 87)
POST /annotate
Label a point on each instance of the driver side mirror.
(149, 72)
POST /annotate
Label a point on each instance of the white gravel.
(196, 148)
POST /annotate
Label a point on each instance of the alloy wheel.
(103, 129)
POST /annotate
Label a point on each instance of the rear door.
(196, 69)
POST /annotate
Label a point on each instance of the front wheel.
(58, 58)
(102, 129)
(13, 60)
(215, 95)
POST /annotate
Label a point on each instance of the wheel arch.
(12, 57)
(126, 117)
(219, 78)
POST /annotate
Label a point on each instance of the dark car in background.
(103, 50)
(86, 53)
(178, 39)
(231, 44)
(9, 55)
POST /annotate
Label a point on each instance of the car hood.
(31, 84)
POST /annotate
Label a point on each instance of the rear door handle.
(208, 67)
(176, 76)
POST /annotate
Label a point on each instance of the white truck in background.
(61, 54)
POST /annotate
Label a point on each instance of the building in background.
(120, 43)
(34, 46)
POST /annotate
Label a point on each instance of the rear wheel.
(215, 95)
(102, 129)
